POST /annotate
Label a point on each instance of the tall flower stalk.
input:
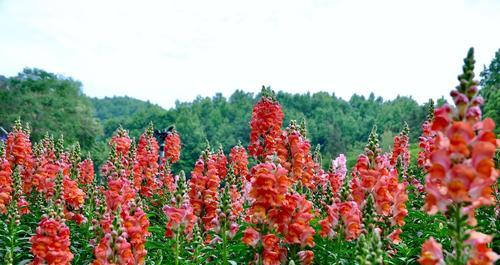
(462, 172)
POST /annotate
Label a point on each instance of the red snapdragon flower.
(86, 172)
(136, 224)
(265, 126)
(50, 244)
(19, 154)
(72, 195)
(221, 164)
(5, 184)
(400, 150)
(426, 144)
(269, 186)
(239, 159)
(180, 220)
(330, 221)
(146, 164)
(121, 141)
(337, 174)
(480, 253)
(306, 257)
(250, 237)
(432, 253)
(113, 249)
(204, 189)
(351, 218)
(45, 169)
(172, 147)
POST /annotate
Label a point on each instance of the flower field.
(270, 202)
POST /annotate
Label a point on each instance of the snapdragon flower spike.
(376, 189)
(426, 140)
(203, 189)
(400, 149)
(72, 194)
(146, 164)
(294, 154)
(462, 168)
(86, 172)
(45, 167)
(399, 211)
(19, 154)
(120, 191)
(221, 163)
(122, 142)
(181, 218)
(238, 158)
(337, 174)
(211, 194)
(270, 184)
(231, 203)
(172, 147)
(112, 249)
(5, 183)
(265, 126)
(330, 222)
(51, 242)
(351, 218)
(167, 179)
(136, 224)
(292, 220)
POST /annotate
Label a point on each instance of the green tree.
(49, 103)
(490, 90)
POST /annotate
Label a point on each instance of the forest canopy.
(58, 104)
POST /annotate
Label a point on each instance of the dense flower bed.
(274, 204)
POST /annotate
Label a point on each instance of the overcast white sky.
(167, 50)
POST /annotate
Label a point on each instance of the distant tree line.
(56, 104)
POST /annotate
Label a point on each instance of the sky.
(163, 51)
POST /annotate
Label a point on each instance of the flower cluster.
(86, 172)
(19, 154)
(5, 184)
(400, 149)
(337, 174)
(294, 153)
(426, 140)
(136, 224)
(265, 126)
(146, 164)
(113, 248)
(462, 172)
(274, 207)
(204, 189)
(172, 147)
(50, 244)
(180, 220)
(462, 168)
(239, 159)
(376, 189)
(180, 215)
(45, 167)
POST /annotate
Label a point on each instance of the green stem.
(458, 236)
(176, 249)
(9, 257)
(224, 244)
